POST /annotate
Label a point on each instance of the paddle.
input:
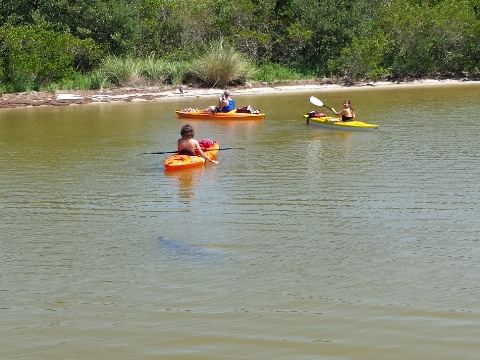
(317, 102)
(173, 152)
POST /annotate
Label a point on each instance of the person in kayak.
(187, 145)
(347, 113)
(225, 103)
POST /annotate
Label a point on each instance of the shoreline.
(79, 97)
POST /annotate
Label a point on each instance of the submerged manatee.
(180, 246)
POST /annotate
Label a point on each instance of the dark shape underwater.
(182, 247)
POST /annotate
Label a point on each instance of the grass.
(220, 66)
(273, 73)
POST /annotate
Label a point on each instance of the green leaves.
(354, 39)
(32, 56)
(413, 38)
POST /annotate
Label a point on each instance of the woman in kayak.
(187, 145)
(347, 113)
(225, 103)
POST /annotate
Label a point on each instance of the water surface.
(310, 243)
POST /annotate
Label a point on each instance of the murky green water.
(308, 244)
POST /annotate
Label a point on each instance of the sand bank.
(63, 98)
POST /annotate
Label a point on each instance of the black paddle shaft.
(173, 152)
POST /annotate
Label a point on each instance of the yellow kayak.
(337, 123)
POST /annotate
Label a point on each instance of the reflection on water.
(185, 181)
(310, 243)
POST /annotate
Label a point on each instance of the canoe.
(231, 115)
(337, 123)
(177, 162)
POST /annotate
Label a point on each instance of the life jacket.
(229, 107)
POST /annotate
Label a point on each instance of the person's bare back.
(187, 145)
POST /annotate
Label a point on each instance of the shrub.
(272, 73)
(122, 71)
(32, 56)
(222, 65)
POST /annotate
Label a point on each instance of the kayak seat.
(186, 152)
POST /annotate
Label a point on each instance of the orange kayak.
(207, 115)
(176, 162)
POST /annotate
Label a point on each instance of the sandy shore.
(63, 98)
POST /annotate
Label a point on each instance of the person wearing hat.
(225, 103)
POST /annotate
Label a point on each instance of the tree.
(112, 23)
(32, 56)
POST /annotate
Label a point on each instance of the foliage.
(362, 59)
(123, 72)
(413, 39)
(138, 72)
(332, 24)
(32, 56)
(428, 39)
(110, 23)
(222, 65)
(149, 42)
(99, 80)
(272, 73)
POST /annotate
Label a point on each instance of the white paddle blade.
(315, 101)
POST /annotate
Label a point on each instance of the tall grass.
(78, 82)
(222, 65)
(122, 72)
(177, 72)
(132, 72)
(99, 80)
(153, 71)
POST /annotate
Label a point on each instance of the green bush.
(362, 59)
(272, 73)
(32, 57)
(222, 65)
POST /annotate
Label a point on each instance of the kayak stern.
(176, 162)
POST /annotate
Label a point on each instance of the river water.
(308, 244)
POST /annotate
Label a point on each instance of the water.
(310, 243)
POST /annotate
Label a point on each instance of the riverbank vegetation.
(95, 44)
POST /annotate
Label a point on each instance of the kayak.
(176, 162)
(236, 114)
(337, 123)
